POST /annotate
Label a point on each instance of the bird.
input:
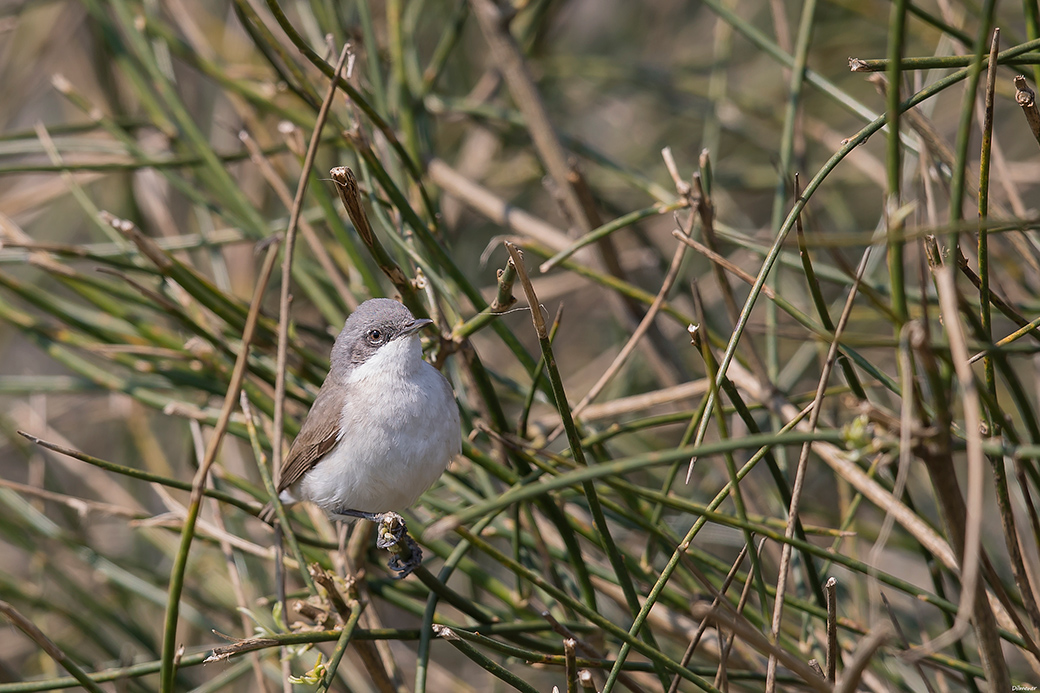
(383, 427)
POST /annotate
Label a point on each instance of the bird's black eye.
(375, 336)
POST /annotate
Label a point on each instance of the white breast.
(399, 431)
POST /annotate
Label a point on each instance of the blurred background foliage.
(191, 119)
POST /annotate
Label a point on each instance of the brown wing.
(319, 434)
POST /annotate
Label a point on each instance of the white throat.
(396, 360)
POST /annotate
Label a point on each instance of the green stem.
(896, 37)
(342, 642)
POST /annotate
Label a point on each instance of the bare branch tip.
(857, 65)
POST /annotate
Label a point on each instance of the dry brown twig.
(831, 587)
(280, 189)
(350, 196)
(633, 341)
(727, 647)
(852, 674)
(897, 629)
(487, 203)
(509, 60)
(47, 645)
(799, 479)
(1026, 98)
(290, 239)
(964, 517)
(751, 635)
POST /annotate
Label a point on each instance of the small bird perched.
(383, 427)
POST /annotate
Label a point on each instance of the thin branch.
(799, 479)
(832, 628)
(1026, 98)
(866, 650)
(506, 55)
(47, 645)
(633, 341)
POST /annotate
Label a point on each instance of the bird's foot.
(405, 556)
(391, 529)
(392, 535)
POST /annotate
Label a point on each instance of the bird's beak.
(414, 326)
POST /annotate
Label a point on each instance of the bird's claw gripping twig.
(392, 535)
(391, 528)
(405, 557)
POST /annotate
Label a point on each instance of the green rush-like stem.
(272, 493)
(759, 39)
(413, 599)
(548, 506)
(47, 645)
(484, 662)
(51, 305)
(574, 441)
(536, 376)
(186, 52)
(177, 574)
(1017, 334)
(684, 544)
(375, 71)
(894, 221)
(972, 73)
(664, 537)
(105, 676)
(985, 314)
(609, 228)
(811, 188)
(276, 640)
(445, 45)
(142, 475)
(673, 471)
(704, 515)
(590, 614)
(1032, 18)
(822, 309)
(780, 191)
(463, 604)
(345, 635)
(355, 96)
(402, 96)
(626, 465)
(711, 373)
(800, 473)
(535, 657)
(215, 173)
(426, 632)
(781, 482)
(638, 294)
(276, 54)
(934, 62)
(198, 486)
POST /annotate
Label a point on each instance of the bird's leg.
(392, 535)
(371, 517)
